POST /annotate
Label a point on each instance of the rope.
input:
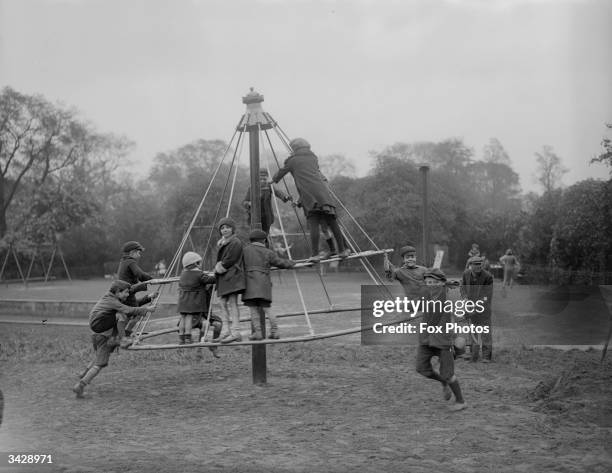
(353, 218)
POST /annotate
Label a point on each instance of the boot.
(78, 389)
(255, 326)
(181, 339)
(187, 339)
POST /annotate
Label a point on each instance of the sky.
(351, 77)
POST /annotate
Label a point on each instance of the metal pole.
(258, 352)
(424, 168)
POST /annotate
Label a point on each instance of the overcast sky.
(349, 76)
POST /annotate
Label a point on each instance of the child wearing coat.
(194, 299)
(229, 272)
(315, 196)
(257, 296)
(267, 190)
(107, 320)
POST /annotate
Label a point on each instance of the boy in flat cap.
(107, 320)
(477, 285)
(130, 272)
(410, 275)
(257, 296)
(440, 343)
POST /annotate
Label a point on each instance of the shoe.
(214, 351)
(314, 259)
(232, 338)
(256, 336)
(345, 254)
(446, 392)
(486, 360)
(458, 406)
(274, 336)
(327, 255)
(78, 389)
(125, 342)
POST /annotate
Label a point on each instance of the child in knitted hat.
(229, 272)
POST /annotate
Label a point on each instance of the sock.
(91, 374)
(456, 391)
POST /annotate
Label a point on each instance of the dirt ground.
(328, 406)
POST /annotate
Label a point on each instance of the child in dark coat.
(258, 294)
(315, 195)
(229, 271)
(130, 272)
(194, 299)
(107, 320)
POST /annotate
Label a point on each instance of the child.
(130, 272)
(439, 343)
(315, 195)
(229, 271)
(477, 285)
(266, 191)
(258, 294)
(474, 251)
(194, 300)
(410, 275)
(107, 320)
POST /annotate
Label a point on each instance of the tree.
(550, 168)
(336, 165)
(494, 152)
(606, 156)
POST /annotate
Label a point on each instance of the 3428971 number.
(28, 458)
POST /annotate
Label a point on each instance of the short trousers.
(102, 349)
(257, 302)
(447, 363)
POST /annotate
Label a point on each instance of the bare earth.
(328, 406)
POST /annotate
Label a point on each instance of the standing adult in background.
(477, 285)
(474, 251)
(511, 266)
(315, 195)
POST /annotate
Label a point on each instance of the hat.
(435, 273)
(191, 257)
(226, 221)
(263, 172)
(407, 249)
(257, 235)
(476, 260)
(131, 246)
(298, 143)
(119, 285)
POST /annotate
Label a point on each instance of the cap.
(476, 260)
(191, 257)
(257, 235)
(119, 285)
(131, 246)
(226, 221)
(407, 249)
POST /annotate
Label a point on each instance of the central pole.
(424, 168)
(254, 121)
(258, 352)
